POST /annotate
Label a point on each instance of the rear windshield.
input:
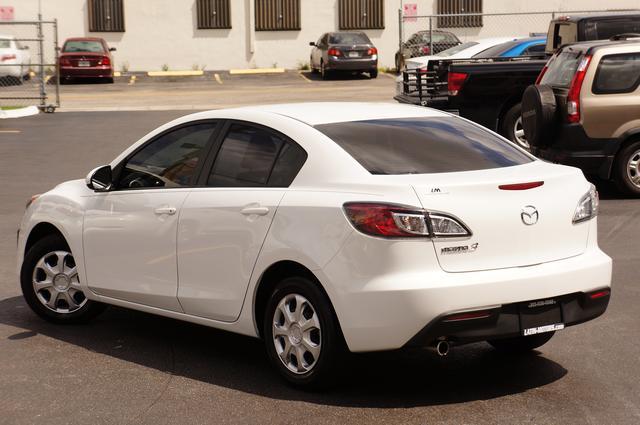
(349, 38)
(455, 49)
(423, 145)
(563, 33)
(439, 37)
(495, 51)
(83, 46)
(561, 68)
(604, 30)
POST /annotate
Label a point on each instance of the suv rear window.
(423, 145)
(617, 74)
(561, 68)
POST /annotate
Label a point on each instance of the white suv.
(15, 59)
(323, 226)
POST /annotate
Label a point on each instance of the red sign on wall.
(6, 13)
(410, 9)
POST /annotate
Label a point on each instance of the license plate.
(540, 316)
(84, 63)
(354, 54)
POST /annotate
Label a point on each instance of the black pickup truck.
(489, 90)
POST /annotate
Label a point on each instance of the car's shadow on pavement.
(608, 190)
(382, 380)
(337, 76)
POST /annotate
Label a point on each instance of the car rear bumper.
(86, 72)
(348, 64)
(572, 146)
(389, 311)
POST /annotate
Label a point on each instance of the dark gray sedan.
(344, 51)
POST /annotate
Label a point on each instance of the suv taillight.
(399, 221)
(455, 81)
(573, 97)
(7, 57)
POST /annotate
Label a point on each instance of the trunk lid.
(501, 239)
(352, 51)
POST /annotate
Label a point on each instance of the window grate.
(214, 14)
(106, 15)
(361, 14)
(459, 7)
(277, 15)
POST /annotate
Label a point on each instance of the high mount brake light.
(573, 96)
(400, 221)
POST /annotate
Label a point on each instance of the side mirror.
(24, 48)
(100, 179)
(112, 49)
(312, 43)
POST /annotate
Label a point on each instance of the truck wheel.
(627, 169)
(521, 344)
(538, 114)
(511, 127)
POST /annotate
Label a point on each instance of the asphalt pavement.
(130, 367)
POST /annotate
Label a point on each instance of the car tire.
(70, 305)
(626, 172)
(521, 344)
(109, 80)
(324, 72)
(373, 73)
(538, 115)
(320, 346)
(511, 126)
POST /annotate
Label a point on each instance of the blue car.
(530, 46)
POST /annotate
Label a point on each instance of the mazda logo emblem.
(529, 215)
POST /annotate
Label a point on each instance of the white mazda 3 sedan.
(323, 228)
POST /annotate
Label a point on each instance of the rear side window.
(423, 145)
(617, 74)
(604, 30)
(255, 157)
(561, 68)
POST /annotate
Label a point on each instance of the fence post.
(431, 35)
(55, 59)
(400, 30)
(43, 94)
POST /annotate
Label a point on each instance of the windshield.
(83, 46)
(349, 38)
(561, 68)
(456, 49)
(423, 145)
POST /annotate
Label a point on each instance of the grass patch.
(8, 108)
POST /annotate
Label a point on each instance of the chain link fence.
(28, 57)
(430, 34)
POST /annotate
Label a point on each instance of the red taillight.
(470, 315)
(7, 57)
(64, 61)
(544, 70)
(372, 51)
(104, 61)
(387, 220)
(425, 50)
(573, 97)
(334, 52)
(520, 186)
(455, 81)
(422, 70)
(599, 294)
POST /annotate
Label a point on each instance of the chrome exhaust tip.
(440, 348)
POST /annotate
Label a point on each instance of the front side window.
(255, 157)
(422, 145)
(617, 74)
(170, 160)
(83, 46)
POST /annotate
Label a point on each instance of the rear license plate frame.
(84, 64)
(541, 316)
(353, 55)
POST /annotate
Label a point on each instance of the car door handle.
(255, 211)
(165, 210)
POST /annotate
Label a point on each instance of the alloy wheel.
(56, 283)
(296, 333)
(518, 134)
(633, 168)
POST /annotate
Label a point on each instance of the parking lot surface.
(130, 367)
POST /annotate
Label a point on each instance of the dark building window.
(361, 14)
(106, 15)
(277, 15)
(459, 7)
(213, 14)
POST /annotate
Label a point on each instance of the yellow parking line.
(132, 80)
(217, 78)
(47, 78)
(10, 131)
(304, 77)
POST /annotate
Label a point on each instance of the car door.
(129, 233)
(223, 225)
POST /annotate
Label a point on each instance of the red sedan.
(86, 57)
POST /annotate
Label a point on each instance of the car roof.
(317, 113)
(598, 44)
(607, 15)
(84, 39)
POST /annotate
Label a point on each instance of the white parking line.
(10, 131)
(217, 78)
(304, 77)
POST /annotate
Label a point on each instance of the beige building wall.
(164, 32)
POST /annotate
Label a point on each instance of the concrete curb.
(174, 73)
(256, 71)
(19, 113)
